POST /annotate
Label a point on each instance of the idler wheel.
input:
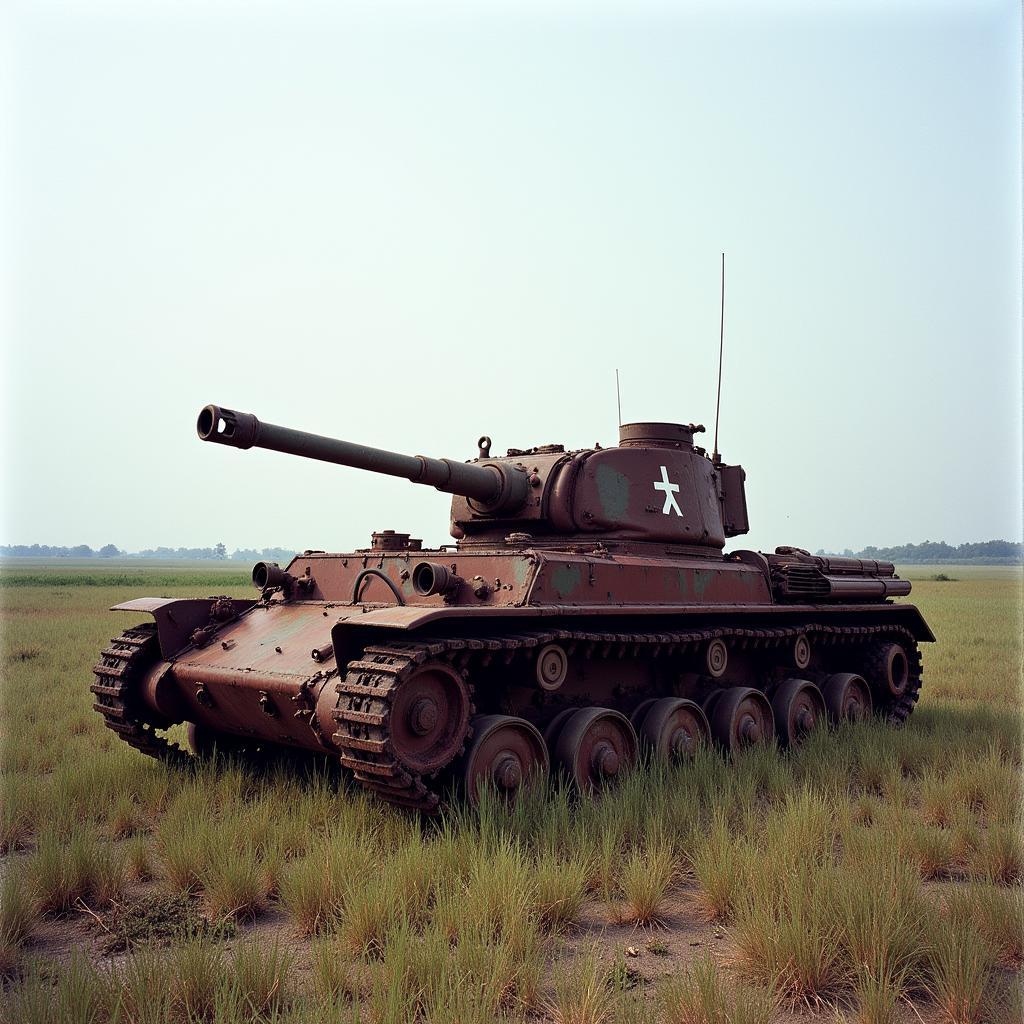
(507, 754)
(552, 666)
(798, 707)
(847, 697)
(742, 717)
(889, 670)
(429, 718)
(673, 728)
(595, 746)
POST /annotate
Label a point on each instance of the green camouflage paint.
(612, 492)
(701, 580)
(521, 571)
(566, 579)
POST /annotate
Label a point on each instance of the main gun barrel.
(497, 488)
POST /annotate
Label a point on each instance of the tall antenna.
(721, 346)
(618, 395)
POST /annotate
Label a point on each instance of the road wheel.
(742, 717)
(674, 729)
(595, 746)
(506, 753)
(797, 707)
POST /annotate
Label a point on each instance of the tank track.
(367, 689)
(122, 664)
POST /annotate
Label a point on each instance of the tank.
(588, 616)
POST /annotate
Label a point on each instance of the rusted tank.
(588, 612)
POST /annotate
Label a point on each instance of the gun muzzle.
(225, 426)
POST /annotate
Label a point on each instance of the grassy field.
(121, 572)
(873, 875)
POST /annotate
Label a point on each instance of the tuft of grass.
(260, 978)
(83, 993)
(17, 915)
(700, 996)
(605, 865)
(999, 856)
(184, 841)
(937, 803)
(15, 819)
(787, 935)
(582, 994)
(506, 968)
(197, 977)
(81, 870)
(234, 883)
(997, 914)
(645, 880)
(721, 865)
(959, 971)
(145, 986)
(930, 848)
(877, 998)
(370, 913)
(126, 817)
(884, 923)
(493, 897)
(309, 892)
(334, 977)
(138, 865)
(559, 886)
(313, 888)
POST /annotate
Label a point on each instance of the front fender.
(178, 618)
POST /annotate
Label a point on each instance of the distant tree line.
(990, 552)
(217, 553)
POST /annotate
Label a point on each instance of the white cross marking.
(671, 490)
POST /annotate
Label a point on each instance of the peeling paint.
(520, 571)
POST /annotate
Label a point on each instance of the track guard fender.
(177, 619)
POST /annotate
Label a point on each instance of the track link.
(367, 689)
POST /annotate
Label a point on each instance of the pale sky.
(408, 225)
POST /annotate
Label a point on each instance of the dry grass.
(646, 878)
(560, 888)
(959, 974)
(788, 935)
(721, 863)
(700, 995)
(582, 993)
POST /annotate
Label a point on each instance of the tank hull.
(321, 666)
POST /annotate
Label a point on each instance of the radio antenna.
(618, 395)
(721, 346)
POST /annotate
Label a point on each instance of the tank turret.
(655, 486)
